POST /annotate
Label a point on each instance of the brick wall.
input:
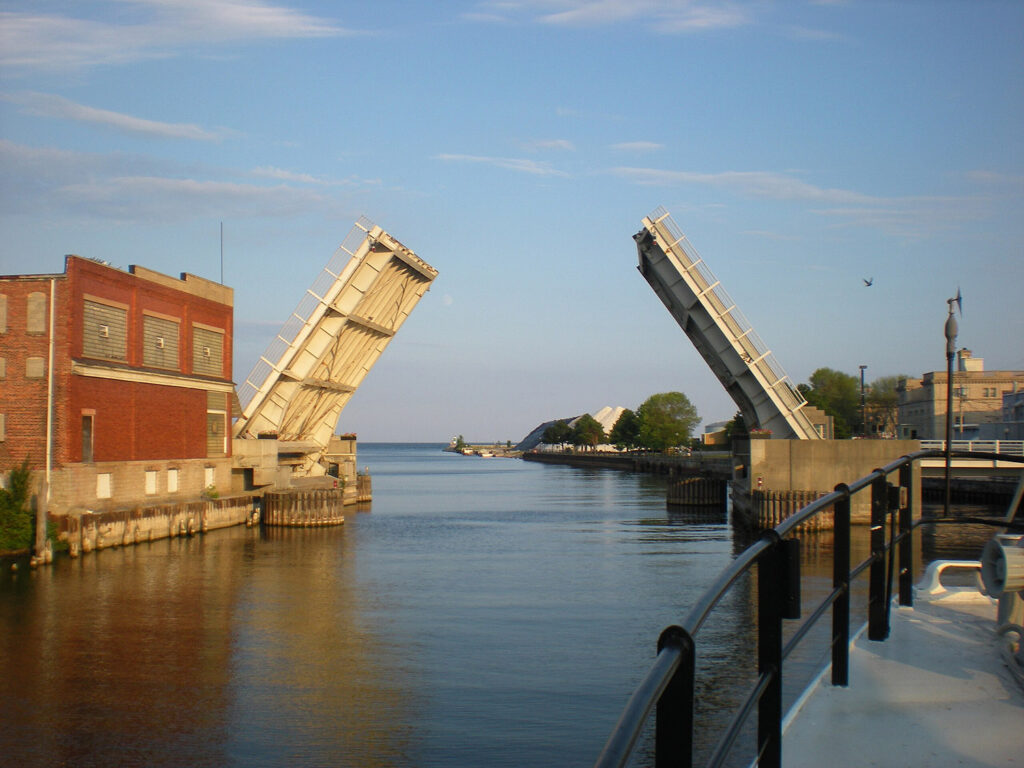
(23, 398)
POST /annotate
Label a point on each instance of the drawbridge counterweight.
(298, 388)
(722, 336)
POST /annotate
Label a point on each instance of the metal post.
(863, 421)
(770, 575)
(951, 331)
(878, 610)
(906, 521)
(841, 579)
(673, 727)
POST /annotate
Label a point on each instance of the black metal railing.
(669, 685)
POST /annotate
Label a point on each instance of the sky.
(516, 145)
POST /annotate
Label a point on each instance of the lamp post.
(863, 422)
(951, 332)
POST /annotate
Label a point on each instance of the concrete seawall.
(86, 531)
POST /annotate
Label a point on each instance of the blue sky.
(516, 146)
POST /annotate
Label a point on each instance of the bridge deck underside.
(720, 333)
(347, 319)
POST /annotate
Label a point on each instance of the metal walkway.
(719, 331)
(298, 388)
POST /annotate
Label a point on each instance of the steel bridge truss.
(298, 388)
(723, 337)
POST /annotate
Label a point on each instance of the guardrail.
(670, 682)
(1005, 447)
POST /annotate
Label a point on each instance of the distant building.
(977, 404)
(128, 372)
(1013, 414)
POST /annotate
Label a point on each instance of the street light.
(951, 332)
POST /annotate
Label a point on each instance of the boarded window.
(87, 424)
(172, 481)
(105, 331)
(34, 368)
(3, 427)
(160, 342)
(35, 320)
(3, 367)
(3, 313)
(207, 351)
(209, 477)
(103, 488)
(216, 423)
(151, 478)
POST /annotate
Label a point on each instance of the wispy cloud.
(46, 180)
(910, 216)
(51, 105)
(270, 172)
(135, 197)
(670, 16)
(551, 144)
(508, 163)
(997, 180)
(637, 146)
(146, 29)
(778, 186)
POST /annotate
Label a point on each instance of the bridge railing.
(668, 688)
(1008, 447)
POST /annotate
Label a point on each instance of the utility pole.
(863, 422)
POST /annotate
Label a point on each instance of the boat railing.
(668, 688)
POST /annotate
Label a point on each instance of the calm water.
(482, 612)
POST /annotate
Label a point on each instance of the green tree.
(837, 394)
(666, 420)
(16, 518)
(626, 430)
(883, 403)
(587, 432)
(557, 433)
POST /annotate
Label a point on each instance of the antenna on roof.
(222, 253)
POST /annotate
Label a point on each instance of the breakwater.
(717, 465)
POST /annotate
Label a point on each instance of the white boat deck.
(936, 693)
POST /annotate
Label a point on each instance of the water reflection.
(484, 612)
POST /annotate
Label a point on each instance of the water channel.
(480, 612)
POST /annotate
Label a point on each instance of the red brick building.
(132, 373)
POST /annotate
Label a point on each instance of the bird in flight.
(869, 282)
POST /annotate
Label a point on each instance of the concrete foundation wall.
(820, 465)
(86, 531)
(79, 486)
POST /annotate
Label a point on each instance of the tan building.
(977, 401)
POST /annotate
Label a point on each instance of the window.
(105, 330)
(34, 368)
(3, 428)
(151, 478)
(160, 342)
(87, 424)
(3, 313)
(207, 351)
(216, 424)
(172, 481)
(3, 367)
(103, 485)
(209, 477)
(36, 315)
